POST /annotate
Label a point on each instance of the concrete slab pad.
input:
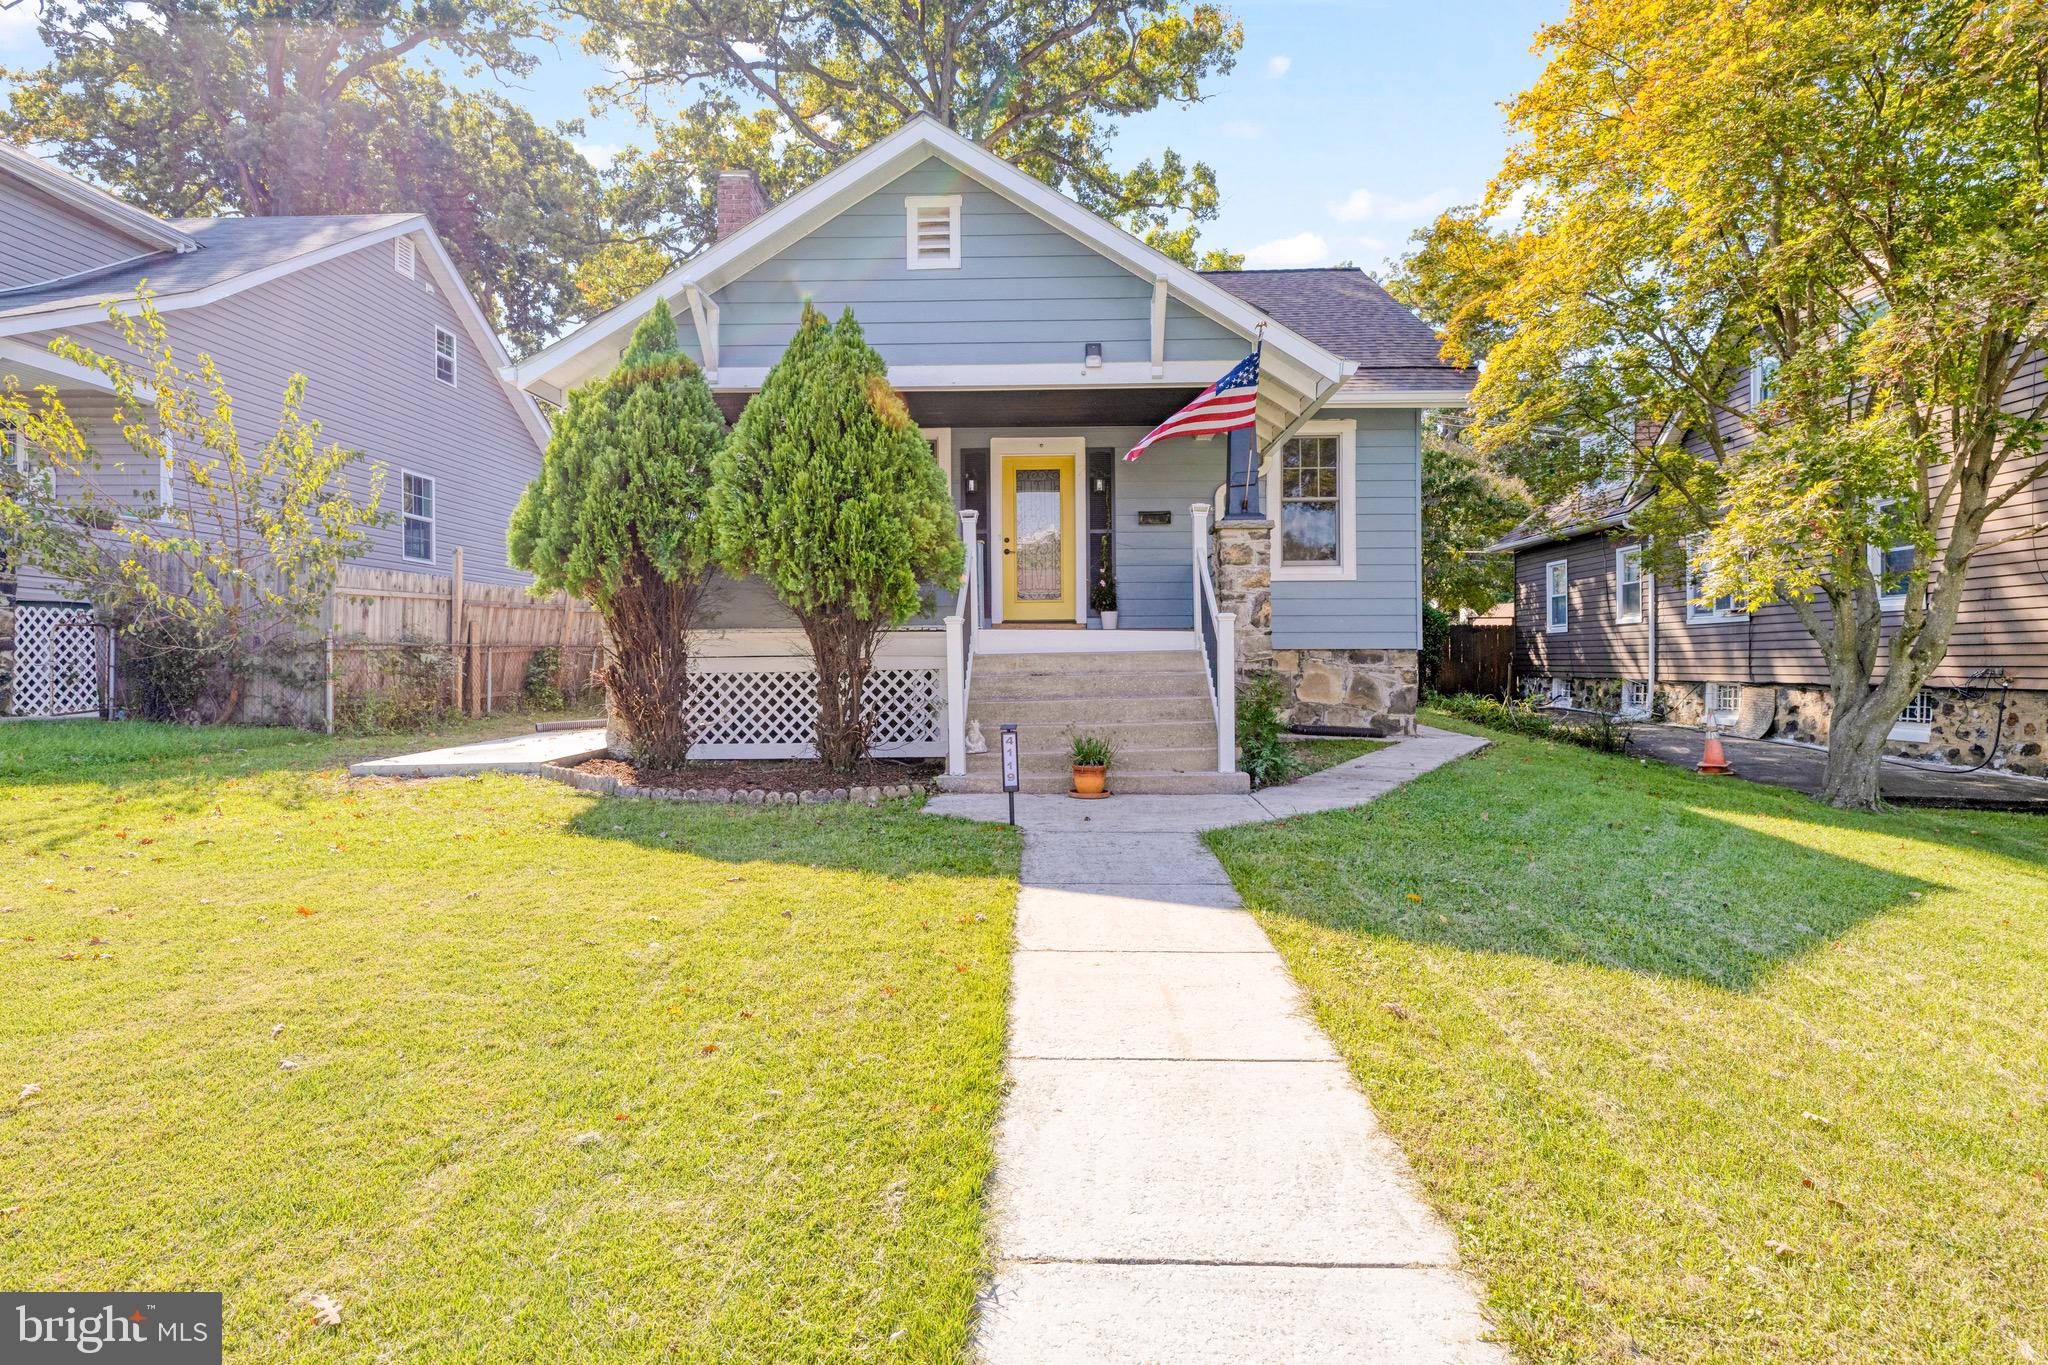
(1127, 814)
(1204, 1161)
(1159, 1005)
(1062, 920)
(516, 754)
(1057, 858)
(1042, 1312)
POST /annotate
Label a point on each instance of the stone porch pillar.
(1240, 558)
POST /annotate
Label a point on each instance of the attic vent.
(404, 258)
(932, 227)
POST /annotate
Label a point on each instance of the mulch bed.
(773, 775)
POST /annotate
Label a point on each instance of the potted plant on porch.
(1103, 598)
(1090, 759)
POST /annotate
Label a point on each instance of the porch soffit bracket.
(704, 313)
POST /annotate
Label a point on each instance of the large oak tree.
(1852, 194)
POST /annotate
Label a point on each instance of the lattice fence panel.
(56, 661)
(777, 710)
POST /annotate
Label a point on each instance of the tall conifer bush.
(828, 492)
(618, 518)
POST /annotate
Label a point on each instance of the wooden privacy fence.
(490, 632)
(1477, 659)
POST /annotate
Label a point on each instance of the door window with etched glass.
(1311, 508)
(1041, 550)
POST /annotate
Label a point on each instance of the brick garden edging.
(607, 785)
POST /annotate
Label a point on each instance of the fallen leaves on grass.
(326, 1310)
(28, 1092)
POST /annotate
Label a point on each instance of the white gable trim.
(1312, 369)
(91, 201)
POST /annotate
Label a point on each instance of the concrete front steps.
(1151, 705)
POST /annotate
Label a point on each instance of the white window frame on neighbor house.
(1345, 566)
(166, 472)
(452, 353)
(1889, 601)
(1625, 556)
(1696, 566)
(1557, 587)
(1763, 377)
(46, 476)
(915, 206)
(406, 515)
(1635, 698)
(404, 257)
(1915, 724)
(1718, 692)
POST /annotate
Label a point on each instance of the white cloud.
(1424, 206)
(1243, 129)
(600, 154)
(1303, 248)
(1279, 66)
(750, 52)
(1354, 207)
(1517, 204)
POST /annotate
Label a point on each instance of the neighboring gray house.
(399, 361)
(1035, 344)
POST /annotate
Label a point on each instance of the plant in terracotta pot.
(1102, 597)
(1090, 758)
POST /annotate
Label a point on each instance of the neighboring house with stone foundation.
(1595, 630)
(400, 364)
(1035, 343)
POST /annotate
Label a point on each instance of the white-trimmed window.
(1557, 599)
(1312, 491)
(1763, 377)
(1724, 701)
(1697, 612)
(1628, 585)
(167, 472)
(1635, 698)
(1892, 567)
(931, 226)
(1915, 724)
(444, 356)
(404, 256)
(33, 473)
(416, 500)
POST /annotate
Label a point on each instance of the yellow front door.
(1038, 530)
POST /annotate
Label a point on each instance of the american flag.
(1229, 404)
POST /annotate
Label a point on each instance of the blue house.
(1035, 344)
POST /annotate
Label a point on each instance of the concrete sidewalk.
(1185, 1169)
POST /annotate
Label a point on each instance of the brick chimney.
(1648, 429)
(740, 201)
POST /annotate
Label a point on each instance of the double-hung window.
(1892, 567)
(1763, 377)
(444, 356)
(1698, 612)
(34, 473)
(1557, 601)
(416, 497)
(1628, 585)
(1312, 494)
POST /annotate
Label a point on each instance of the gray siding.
(1025, 292)
(1382, 607)
(364, 337)
(42, 239)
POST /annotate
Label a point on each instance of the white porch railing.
(1217, 632)
(960, 629)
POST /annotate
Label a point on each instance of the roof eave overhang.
(93, 202)
(1562, 533)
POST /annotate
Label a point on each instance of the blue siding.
(1025, 292)
(1382, 609)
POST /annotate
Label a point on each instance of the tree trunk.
(1856, 737)
(648, 676)
(843, 654)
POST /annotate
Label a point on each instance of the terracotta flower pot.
(1088, 778)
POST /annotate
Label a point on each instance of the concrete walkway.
(1186, 1170)
(516, 754)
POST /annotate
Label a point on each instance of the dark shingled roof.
(228, 248)
(1344, 310)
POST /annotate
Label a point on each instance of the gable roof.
(91, 201)
(1303, 365)
(1344, 310)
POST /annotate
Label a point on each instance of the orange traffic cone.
(1713, 761)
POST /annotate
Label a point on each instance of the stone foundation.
(1367, 689)
(1960, 734)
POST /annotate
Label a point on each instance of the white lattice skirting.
(56, 660)
(773, 713)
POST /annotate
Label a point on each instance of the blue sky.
(1347, 124)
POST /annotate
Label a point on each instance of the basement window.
(1635, 700)
(1724, 700)
(1915, 724)
(931, 232)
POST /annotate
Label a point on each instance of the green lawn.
(512, 1073)
(1698, 1070)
